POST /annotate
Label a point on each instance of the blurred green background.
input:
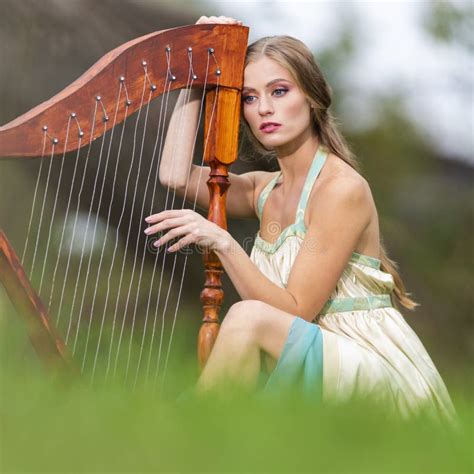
(423, 191)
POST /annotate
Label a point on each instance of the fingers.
(182, 243)
(177, 232)
(183, 222)
(166, 224)
(170, 214)
(219, 20)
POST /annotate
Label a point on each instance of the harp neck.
(161, 60)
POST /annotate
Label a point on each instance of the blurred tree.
(451, 22)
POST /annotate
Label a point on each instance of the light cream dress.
(359, 344)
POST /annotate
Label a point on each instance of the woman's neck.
(295, 161)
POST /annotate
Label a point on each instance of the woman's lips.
(269, 127)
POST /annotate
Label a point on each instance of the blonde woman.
(319, 294)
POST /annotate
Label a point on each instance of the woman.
(318, 291)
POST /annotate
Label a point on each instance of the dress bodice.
(362, 276)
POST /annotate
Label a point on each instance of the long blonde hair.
(295, 56)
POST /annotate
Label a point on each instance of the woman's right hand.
(218, 19)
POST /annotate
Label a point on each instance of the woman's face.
(274, 107)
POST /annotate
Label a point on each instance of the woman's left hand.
(194, 228)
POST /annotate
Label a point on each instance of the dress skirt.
(301, 362)
(325, 363)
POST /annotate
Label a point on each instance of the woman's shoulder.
(337, 174)
(340, 181)
(254, 182)
(261, 180)
(343, 191)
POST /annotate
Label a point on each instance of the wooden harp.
(122, 84)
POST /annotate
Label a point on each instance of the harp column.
(222, 128)
(42, 332)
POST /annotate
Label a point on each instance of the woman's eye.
(280, 91)
(249, 99)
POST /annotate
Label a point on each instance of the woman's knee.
(261, 323)
(243, 315)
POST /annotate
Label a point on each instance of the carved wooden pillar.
(221, 133)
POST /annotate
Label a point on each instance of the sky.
(393, 54)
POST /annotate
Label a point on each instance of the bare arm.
(337, 221)
(178, 149)
(179, 173)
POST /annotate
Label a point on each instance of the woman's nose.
(265, 106)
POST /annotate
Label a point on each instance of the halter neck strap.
(314, 170)
(316, 166)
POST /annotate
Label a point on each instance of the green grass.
(49, 427)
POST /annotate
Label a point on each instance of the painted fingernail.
(147, 219)
(147, 231)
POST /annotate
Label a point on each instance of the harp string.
(63, 231)
(210, 51)
(34, 197)
(146, 78)
(114, 320)
(170, 77)
(85, 233)
(189, 84)
(42, 209)
(136, 254)
(111, 266)
(168, 292)
(186, 256)
(51, 221)
(155, 263)
(76, 216)
(190, 81)
(94, 231)
(166, 246)
(158, 136)
(150, 290)
(104, 241)
(136, 249)
(109, 276)
(137, 120)
(141, 274)
(170, 282)
(160, 286)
